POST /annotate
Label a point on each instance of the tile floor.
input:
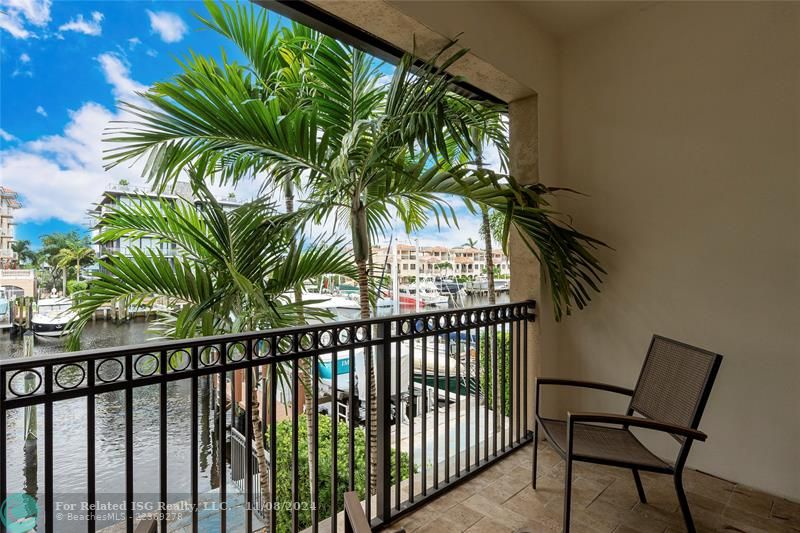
(500, 499)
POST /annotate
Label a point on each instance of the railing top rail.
(198, 342)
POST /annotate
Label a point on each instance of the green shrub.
(283, 469)
(487, 387)
(76, 286)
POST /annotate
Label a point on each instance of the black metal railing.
(451, 391)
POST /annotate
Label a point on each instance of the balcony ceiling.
(559, 18)
(565, 18)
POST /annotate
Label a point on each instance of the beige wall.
(682, 121)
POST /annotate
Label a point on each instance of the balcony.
(109, 250)
(438, 421)
(20, 273)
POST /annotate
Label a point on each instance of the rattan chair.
(670, 397)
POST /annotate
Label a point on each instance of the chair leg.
(535, 454)
(687, 514)
(567, 491)
(639, 487)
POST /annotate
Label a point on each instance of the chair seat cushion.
(601, 443)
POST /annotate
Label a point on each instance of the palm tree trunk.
(261, 455)
(361, 252)
(363, 290)
(487, 239)
(306, 368)
(64, 281)
(78, 270)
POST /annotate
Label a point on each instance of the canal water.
(25, 458)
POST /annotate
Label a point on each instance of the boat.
(385, 299)
(427, 296)
(327, 301)
(52, 317)
(481, 284)
(408, 296)
(449, 286)
(5, 307)
(430, 295)
(5, 304)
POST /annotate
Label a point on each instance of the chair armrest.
(576, 383)
(355, 519)
(625, 420)
(584, 384)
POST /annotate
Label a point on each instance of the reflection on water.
(25, 459)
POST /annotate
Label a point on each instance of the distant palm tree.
(470, 243)
(23, 250)
(74, 254)
(445, 266)
(47, 257)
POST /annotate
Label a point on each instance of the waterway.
(25, 459)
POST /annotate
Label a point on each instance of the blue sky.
(63, 66)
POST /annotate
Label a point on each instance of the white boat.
(5, 307)
(327, 301)
(430, 295)
(52, 317)
(385, 299)
(501, 285)
(481, 284)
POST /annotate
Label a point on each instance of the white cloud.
(133, 42)
(469, 226)
(7, 136)
(169, 26)
(62, 175)
(37, 12)
(88, 27)
(14, 26)
(28, 73)
(117, 74)
(16, 15)
(25, 58)
(41, 111)
(151, 52)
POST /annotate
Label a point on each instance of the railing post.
(383, 389)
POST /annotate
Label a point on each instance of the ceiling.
(566, 17)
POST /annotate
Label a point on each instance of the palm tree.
(48, 255)
(367, 151)
(232, 271)
(23, 250)
(73, 254)
(470, 243)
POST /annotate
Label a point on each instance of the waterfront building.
(8, 204)
(122, 193)
(436, 261)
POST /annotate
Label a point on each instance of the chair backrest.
(675, 382)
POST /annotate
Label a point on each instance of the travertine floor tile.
(501, 499)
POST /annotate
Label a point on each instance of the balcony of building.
(681, 124)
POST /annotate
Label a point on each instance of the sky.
(64, 65)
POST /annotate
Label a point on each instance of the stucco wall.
(682, 123)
